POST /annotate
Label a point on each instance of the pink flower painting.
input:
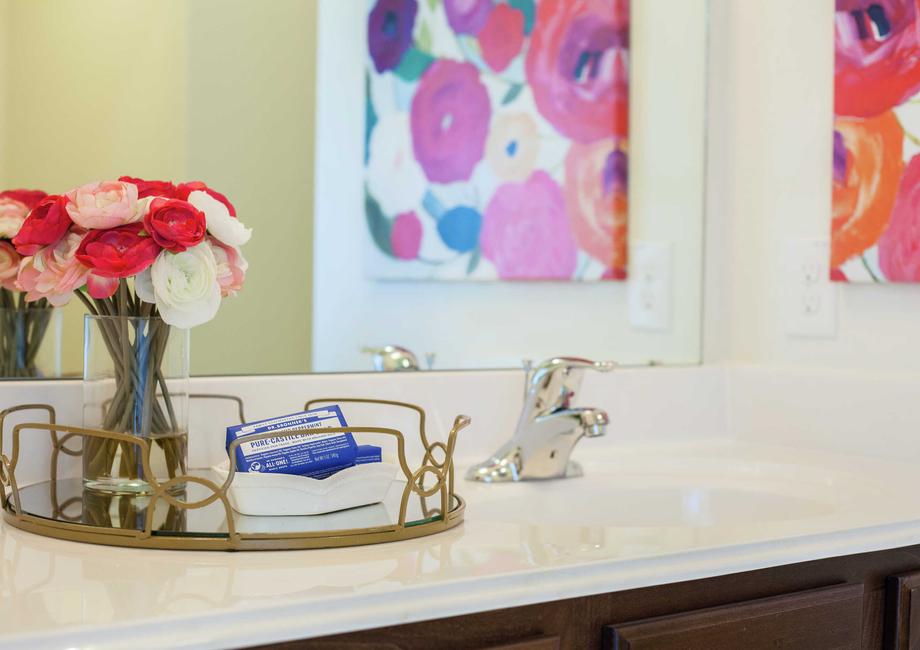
(497, 139)
(875, 225)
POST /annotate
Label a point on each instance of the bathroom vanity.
(868, 600)
(697, 525)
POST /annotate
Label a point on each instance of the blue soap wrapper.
(298, 454)
(366, 454)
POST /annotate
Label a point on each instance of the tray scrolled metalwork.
(193, 511)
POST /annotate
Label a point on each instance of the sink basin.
(648, 490)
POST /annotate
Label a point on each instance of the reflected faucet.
(391, 358)
(549, 426)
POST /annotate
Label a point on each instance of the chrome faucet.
(549, 426)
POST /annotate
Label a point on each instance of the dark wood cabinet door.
(818, 619)
(902, 615)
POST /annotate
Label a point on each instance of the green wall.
(216, 90)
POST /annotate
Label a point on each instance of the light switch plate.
(810, 298)
(650, 286)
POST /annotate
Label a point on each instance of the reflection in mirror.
(167, 89)
(471, 171)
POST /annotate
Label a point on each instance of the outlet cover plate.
(650, 286)
(810, 298)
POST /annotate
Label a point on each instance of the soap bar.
(298, 454)
(366, 454)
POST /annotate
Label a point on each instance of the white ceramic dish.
(286, 494)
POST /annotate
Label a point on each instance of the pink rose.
(231, 267)
(53, 272)
(12, 214)
(104, 205)
(9, 266)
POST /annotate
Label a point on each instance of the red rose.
(184, 189)
(175, 225)
(118, 252)
(150, 188)
(45, 226)
(30, 198)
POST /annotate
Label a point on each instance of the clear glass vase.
(135, 381)
(30, 342)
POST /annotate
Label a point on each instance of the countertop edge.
(298, 620)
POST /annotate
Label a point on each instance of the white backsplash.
(868, 413)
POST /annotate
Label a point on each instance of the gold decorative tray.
(199, 516)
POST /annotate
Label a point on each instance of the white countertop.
(653, 514)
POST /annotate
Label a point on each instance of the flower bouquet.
(149, 260)
(22, 324)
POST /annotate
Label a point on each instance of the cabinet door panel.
(830, 617)
(902, 618)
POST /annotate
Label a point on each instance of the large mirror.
(477, 182)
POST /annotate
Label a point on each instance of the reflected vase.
(135, 382)
(129, 511)
(29, 342)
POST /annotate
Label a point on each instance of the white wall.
(250, 130)
(770, 130)
(501, 323)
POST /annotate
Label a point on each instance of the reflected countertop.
(641, 516)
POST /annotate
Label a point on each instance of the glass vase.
(29, 342)
(135, 381)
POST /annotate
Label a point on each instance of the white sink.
(636, 489)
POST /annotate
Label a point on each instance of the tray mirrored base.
(64, 508)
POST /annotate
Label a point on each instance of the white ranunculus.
(221, 225)
(394, 177)
(184, 286)
(143, 285)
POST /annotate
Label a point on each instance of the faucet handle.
(587, 364)
(566, 365)
(554, 381)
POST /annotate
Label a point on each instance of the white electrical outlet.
(809, 295)
(650, 286)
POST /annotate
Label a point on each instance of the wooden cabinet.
(869, 601)
(818, 618)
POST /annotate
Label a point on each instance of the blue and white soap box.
(265, 490)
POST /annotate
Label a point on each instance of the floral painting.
(496, 139)
(875, 234)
